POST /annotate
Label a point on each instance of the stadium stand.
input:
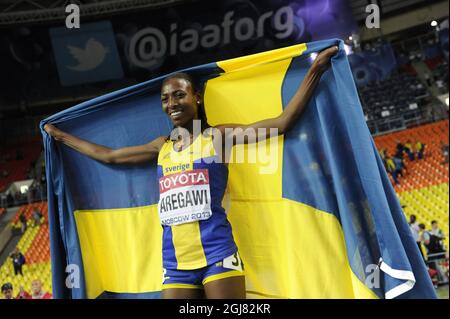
(423, 191)
(35, 245)
(439, 68)
(15, 162)
(392, 97)
(27, 210)
(395, 103)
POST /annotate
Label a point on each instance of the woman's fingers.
(52, 130)
(49, 128)
(322, 61)
(329, 52)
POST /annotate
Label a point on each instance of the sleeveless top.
(192, 183)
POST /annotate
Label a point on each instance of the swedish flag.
(325, 223)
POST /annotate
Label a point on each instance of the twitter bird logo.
(88, 58)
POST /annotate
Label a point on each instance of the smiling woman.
(181, 99)
(200, 257)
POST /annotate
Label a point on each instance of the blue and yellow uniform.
(197, 238)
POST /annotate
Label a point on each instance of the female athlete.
(200, 257)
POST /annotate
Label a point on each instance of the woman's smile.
(176, 114)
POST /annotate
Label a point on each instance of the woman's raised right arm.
(127, 155)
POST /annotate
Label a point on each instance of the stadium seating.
(392, 97)
(423, 191)
(17, 169)
(439, 69)
(27, 210)
(435, 62)
(35, 245)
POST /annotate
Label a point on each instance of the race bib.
(184, 197)
(233, 262)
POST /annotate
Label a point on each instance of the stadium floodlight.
(348, 49)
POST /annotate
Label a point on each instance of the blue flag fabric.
(326, 224)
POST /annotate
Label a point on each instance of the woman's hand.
(53, 131)
(323, 59)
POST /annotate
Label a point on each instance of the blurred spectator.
(441, 85)
(420, 148)
(392, 168)
(437, 255)
(399, 165)
(37, 215)
(7, 290)
(383, 155)
(23, 221)
(431, 242)
(409, 150)
(37, 292)
(18, 260)
(444, 148)
(424, 238)
(400, 150)
(23, 294)
(415, 231)
(438, 233)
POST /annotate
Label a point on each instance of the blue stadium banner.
(325, 223)
(375, 64)
(86, 55)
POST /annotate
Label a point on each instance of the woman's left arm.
(294, 109)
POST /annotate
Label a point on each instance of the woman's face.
(7, 293)
(179, 101)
